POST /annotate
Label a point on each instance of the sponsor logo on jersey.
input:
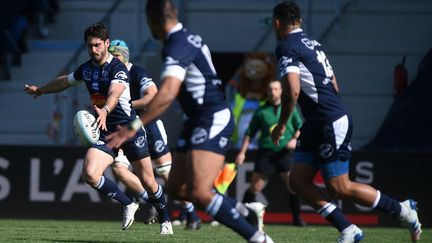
(140, 141)
(159, 145)
(284, 62)
(87, 74)
(195, 40)
(121, 75)
(100, 142)
(95, 86)
(95, 75)
(326, 150)
(310, 43)
(199, 135)
(170, 61)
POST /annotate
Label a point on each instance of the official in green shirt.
(266, 118)
(272, 158)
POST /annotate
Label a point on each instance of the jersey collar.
(110, 57)
(129, 66)
(296, 31)
(177, 27)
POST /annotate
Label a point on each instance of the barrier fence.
(44, 182)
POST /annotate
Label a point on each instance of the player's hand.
(292, 144)
(240, 159)
(32, 90)
(277, 133)
(101, 120)
(117, 138)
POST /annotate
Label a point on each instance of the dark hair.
(97, 30)
(160, 10)
(287, 12)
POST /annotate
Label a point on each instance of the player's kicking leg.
(409, 218)
(96, 161)
(130, 180)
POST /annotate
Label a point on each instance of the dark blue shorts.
(269, 162)
(157, 139)
(210, 133)
(135, 148)
(326, 146)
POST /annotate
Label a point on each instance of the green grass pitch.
(108, 231)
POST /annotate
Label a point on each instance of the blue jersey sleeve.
(140, 81)
(288, 59)
(177, 57)
(76, 77)
(119, 73)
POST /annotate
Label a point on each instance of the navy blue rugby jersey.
(98, 80)
(318, 99)
(188, 58)
(140, 80)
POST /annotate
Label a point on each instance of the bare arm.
(146, 98)
(290, 94)
(163, 99)
(59, 84)
(114, 93)
(335, 84)
(242, 153)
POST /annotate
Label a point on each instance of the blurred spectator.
(37, 11)
(53, 10)
(14, 24)
(12, 37)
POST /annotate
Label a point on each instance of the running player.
(189, 74)
(324, 142)
(143, 90)
(107, 80)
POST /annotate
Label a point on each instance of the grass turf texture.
(105, 231)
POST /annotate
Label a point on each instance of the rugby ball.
(85, 127)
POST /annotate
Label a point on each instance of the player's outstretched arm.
(57, 85)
